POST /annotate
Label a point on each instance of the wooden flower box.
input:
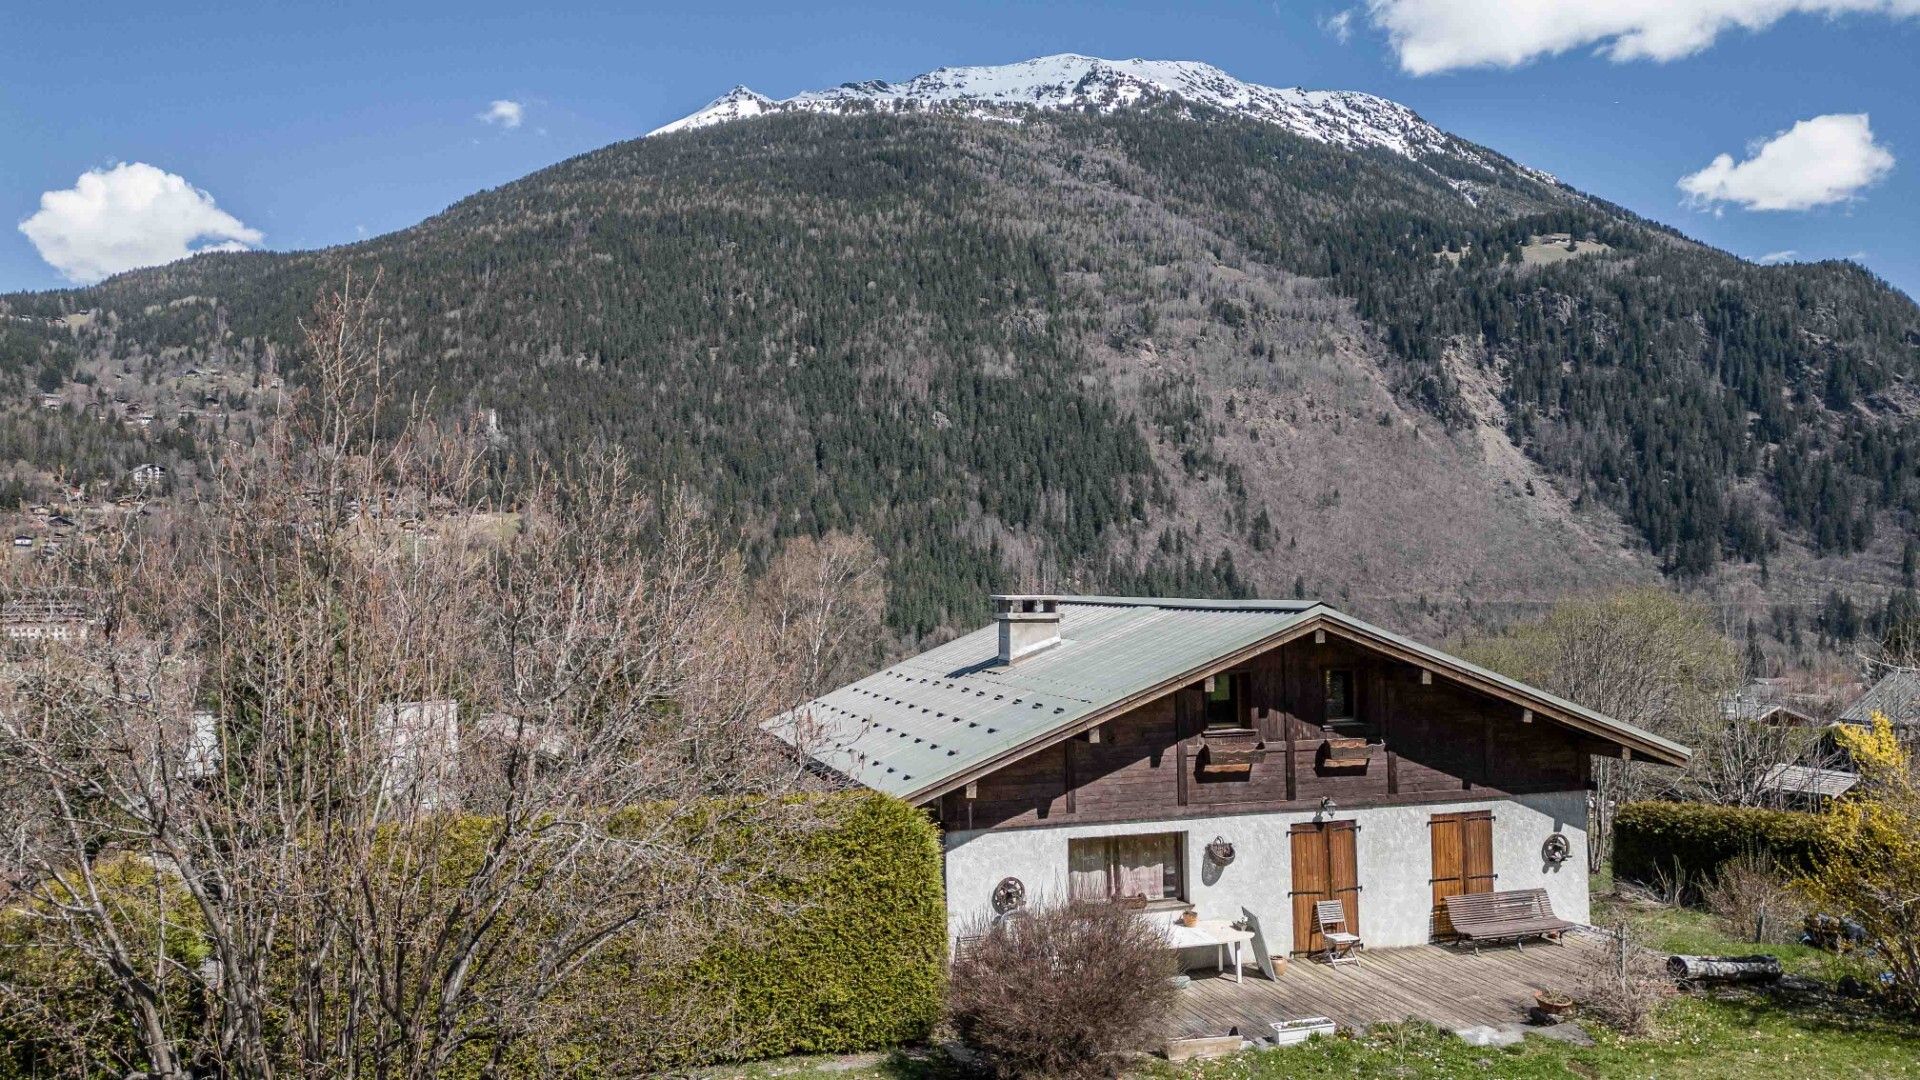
(1230, 755)
(1346, 753)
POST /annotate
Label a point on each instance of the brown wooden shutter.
(1462, 860)
(1476, 832)
(1448, 869)
(1325, 867)
(1311, 884)
(1345, 865)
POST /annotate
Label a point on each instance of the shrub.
(1871, 873)
(1064, 990)
(1623, 984)
(1693, 840)
(846, 952)
(857, 962)
(1754, 901)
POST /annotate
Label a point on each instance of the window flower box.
(1346, 753)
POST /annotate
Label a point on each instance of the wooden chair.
(1339, 943)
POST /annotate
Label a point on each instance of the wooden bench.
(1505, 916)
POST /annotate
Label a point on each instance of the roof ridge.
(1188, 603)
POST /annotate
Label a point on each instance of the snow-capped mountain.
(1069, 81)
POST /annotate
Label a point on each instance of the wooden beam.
(1070, 782)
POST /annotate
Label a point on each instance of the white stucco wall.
(1393, 850)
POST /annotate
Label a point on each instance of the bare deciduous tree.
(363, 745)
(1657, 661)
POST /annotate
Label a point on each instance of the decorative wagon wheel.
(1556, 850)
(1009, 895)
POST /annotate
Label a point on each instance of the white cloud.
(1827, 159)
(1340, 25)
(1775, 258)
(507, 114)
(129, 216)
(1439, 35)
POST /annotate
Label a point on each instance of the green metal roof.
(914, 729)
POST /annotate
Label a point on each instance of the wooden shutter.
(1311, 884)
(1345, 865)
(1325, 867)
(1462, 860)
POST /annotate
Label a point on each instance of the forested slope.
(1151, 350)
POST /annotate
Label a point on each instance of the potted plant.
(1553, 1002)
(1189, 917)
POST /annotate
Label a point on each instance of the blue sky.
(317, 124)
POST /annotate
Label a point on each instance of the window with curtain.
(1148, 867)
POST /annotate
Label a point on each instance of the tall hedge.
(1651, 839)
(849, 954)
(860, 962)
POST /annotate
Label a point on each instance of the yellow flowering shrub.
(1871, 873)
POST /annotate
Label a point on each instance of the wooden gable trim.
(1318, 625)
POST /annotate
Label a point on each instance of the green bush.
(848, 954)
(861, 961)
(1652, 840)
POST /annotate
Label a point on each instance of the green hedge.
(849, 954)
(1651, 838)
(861, 961)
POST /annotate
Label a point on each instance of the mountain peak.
(1073, 81)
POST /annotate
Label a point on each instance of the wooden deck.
(1452, 987)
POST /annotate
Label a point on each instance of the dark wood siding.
(1429, 741)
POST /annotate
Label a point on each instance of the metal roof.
(912, 726)
(1805, 780)
(914, 729)
(1897, 696)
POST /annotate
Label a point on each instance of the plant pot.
(1189, 917)
(1553, 1004)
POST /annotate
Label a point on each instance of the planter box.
(1225, 748)
(1294, 1032)
(1346, 753)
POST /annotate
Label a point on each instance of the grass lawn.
(1698, 933)
(1698, 1039)
(1737, 1038)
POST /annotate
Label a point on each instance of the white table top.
(1206, 932)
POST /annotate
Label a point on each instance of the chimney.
(1028, 624)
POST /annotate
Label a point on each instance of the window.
(1339, 695)
(1226, 701)
(1149, 867)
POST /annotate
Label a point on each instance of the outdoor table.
(1218, 933)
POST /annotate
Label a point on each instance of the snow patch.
(1069, 81)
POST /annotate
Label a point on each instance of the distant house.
(1804, 787)
(422, 741)
(1765, 703)
(1896, 696)
(148, 476)
(45, 619)
(1238, 757)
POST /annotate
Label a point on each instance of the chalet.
(46, 618)
(1895, 696)
(1236, 757)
